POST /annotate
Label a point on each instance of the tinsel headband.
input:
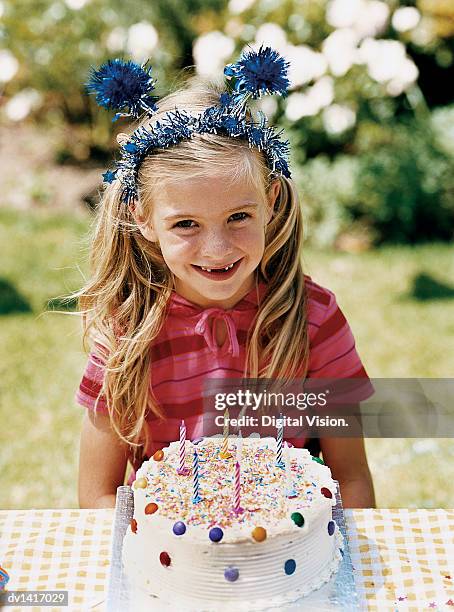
(124, 85)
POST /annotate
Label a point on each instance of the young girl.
(197, 274)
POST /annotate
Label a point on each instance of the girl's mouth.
(218, 273)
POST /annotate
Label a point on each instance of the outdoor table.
(402, 559)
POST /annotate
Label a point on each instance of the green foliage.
(326, 188)
(405, 186)
(56, 46)
(398, 187)
(368, 156)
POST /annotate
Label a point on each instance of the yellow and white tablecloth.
(403, 559)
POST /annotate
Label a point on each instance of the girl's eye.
(185, 224)
(240, 216)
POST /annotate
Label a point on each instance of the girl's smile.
(212, 237)
(221, 272)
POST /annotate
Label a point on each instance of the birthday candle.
(181, 469)
(237, 492)
(225, 442)
(195, 474)
(239, 447)
(288, 472)
(280, 438)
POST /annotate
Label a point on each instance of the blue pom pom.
(260, 72)
(121, 85)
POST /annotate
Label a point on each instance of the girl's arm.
(347, 460)
(102, 462)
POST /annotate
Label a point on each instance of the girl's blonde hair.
(124, 303)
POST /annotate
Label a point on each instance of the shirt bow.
(208, 331)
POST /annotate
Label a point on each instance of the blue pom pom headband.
(124, 85)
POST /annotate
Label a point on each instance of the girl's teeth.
(209, 269)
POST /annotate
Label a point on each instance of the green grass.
(398, 301)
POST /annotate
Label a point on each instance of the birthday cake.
(246, 529)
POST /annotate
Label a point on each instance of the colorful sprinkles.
(263, 488)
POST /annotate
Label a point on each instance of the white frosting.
(195, 577)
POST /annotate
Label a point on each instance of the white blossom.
(340, 50)
(406, 75)
(424, 34)
(20, 105)
(310, 102)
(405, 18)
(387, 62)
(305, 65)
(55, 12)
(239, 6)
(8, 65)
(365, 17)
(323, 91)
(267, 105)
(234, 27)
(76, 5)
(272, 35)
(372, 18)
(142, 40)
(341, 13)
(116, 40)
(337, 118)
(211, 52)
(248, 31)
(300, 105)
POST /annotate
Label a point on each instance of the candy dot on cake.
(179, 528)
(164, 558)
(151, 508)
(159, 455)
(216, 534)
(140, 483)
(231, 574)
(290, 566)
(331, 528)
(297, 518)
(259, 534)
(326, 492)
(133, 525)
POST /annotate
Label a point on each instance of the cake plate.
(337, 594)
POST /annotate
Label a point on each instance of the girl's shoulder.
(321, 302)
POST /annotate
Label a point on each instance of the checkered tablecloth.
(403, 559)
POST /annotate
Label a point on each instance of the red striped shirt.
(185, 354)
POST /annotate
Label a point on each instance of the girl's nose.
(216, 246)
